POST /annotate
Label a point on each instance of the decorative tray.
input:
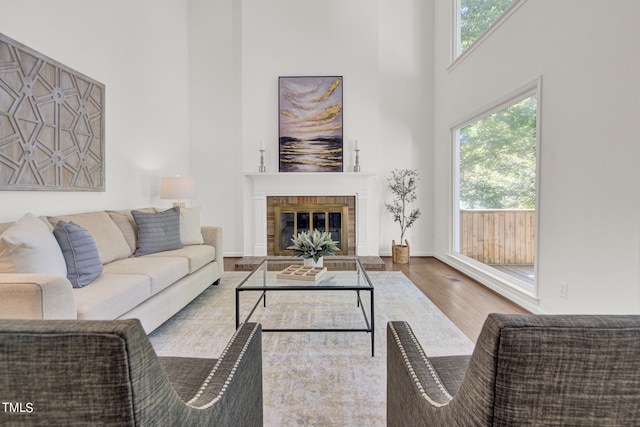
(301, 272)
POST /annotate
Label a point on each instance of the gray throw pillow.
(80, 253)
(157, 232)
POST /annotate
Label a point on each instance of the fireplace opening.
(289, 215)
(293, 219)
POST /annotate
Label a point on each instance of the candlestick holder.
(356, 166)
(262, 168)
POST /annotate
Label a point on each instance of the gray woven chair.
(525, 370)
(105, 373)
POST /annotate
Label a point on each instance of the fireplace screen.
(293, 219)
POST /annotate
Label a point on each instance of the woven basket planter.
(401, 253)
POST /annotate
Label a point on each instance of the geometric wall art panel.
(52, 122)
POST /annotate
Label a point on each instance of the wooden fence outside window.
(499, 237)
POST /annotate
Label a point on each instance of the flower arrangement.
(314, 244)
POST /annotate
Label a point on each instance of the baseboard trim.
(416, 254)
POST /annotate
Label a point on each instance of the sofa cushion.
(109, 240)
(162, 271)
(158, 231)
(111, 295)
(80, 253)
(28, 246)
(127, 225)
(197, 255)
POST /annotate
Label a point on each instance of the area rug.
(316, 378)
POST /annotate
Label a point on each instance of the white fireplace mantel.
(358, 184)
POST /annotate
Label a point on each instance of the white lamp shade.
(177, 188)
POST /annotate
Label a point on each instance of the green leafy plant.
(314, 244)
(403, 184)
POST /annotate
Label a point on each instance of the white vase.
(308, 262)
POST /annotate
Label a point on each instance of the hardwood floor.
(462, 299)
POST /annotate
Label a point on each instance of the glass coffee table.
(345, 275)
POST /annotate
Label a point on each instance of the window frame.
(522, 293)
(458, 55)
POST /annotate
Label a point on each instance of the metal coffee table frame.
(309, 286)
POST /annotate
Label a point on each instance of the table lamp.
(177, 188)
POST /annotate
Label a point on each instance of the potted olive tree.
(403, 186)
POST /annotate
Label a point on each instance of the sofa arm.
(36, 296)
(212, 236)
(420, 389)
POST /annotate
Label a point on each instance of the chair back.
(79, 373)
(555, 370)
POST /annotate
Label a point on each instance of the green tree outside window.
(498, 159)
(476, 16)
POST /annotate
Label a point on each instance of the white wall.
(589, 205)
(406, 60)
(294, 38)
(138, 49)
(383, 51)
(215, 92)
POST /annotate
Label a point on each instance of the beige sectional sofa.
(151, 287)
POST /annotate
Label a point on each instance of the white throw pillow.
(28, 246)
(190, 232)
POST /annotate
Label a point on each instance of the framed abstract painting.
(310, 124)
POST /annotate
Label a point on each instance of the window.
(474, 18)
(496, 188)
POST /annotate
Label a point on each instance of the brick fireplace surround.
(264, 188)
